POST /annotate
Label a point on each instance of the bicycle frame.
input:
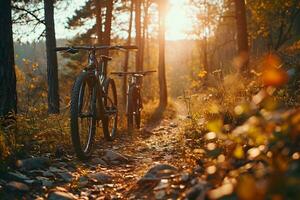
(99, 69)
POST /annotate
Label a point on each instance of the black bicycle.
(93, 100)
(134, 104)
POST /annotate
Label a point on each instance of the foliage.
(250, 151)
(274, 20)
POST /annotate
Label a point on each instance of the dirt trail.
(114, 170)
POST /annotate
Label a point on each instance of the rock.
(162, 185)
(115, 162)
(33, 163)
(56, 170)
(184, 177)
(16, 176)
(58, 195)
(66, 176)
(48, 174)
(98, 161)
(47, 183)
(101, 177)
(114, 156)
(197, 192)
(158, 172)
(2, 182)
(15, 186)
(32, 182)
(60, 164)
(160, 195)
(83, 181)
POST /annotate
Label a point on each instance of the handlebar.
(75, 49)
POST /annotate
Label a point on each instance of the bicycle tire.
(137, 116)
(130, 109)
(77, 96)
(110, 103)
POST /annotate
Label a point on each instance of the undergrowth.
(246, 137)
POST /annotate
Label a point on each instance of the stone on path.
(48, 174)
(33, 163)
(83, 181)
(197, 192)
(16, 176)
(58, 195)
(158, 172)
(114, 157)
(160, 195)
(98, 161)
(66, 176)
(15, 186)
(100, 177)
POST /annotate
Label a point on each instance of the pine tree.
(52, 66)
(163, 93)
(8, 94)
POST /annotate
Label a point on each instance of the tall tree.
(163, 93)
(98, 7)
(124, 89)
(242, 34)
(107, 25)
(52, 69)
(138, 32)
(8, 94)
(146, 4)
(100, 10)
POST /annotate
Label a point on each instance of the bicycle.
(134, 104)
(93, 100)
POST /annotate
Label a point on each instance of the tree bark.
(98, 8)
(242, 34)
(145, 29)
(107, 25)
(163, 93)
(52, 69)
(138, 37)
(8, 94)
(124, 89)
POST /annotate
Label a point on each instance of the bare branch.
(31, 13)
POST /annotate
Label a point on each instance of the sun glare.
(177, 20)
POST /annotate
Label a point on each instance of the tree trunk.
(138, 37)
(8, 94)
(124, 89)
(163, 100)
(52, 69)
(145, 29)
(98, 8)
(242, 34)
(107, 26)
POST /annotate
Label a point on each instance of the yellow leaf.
(239, 152)
(202, 74)
(215, 125)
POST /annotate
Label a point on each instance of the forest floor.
(148, 164)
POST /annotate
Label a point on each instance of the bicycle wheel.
(83, 114)
(130, 108)
(110, 103)
(137, 114)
